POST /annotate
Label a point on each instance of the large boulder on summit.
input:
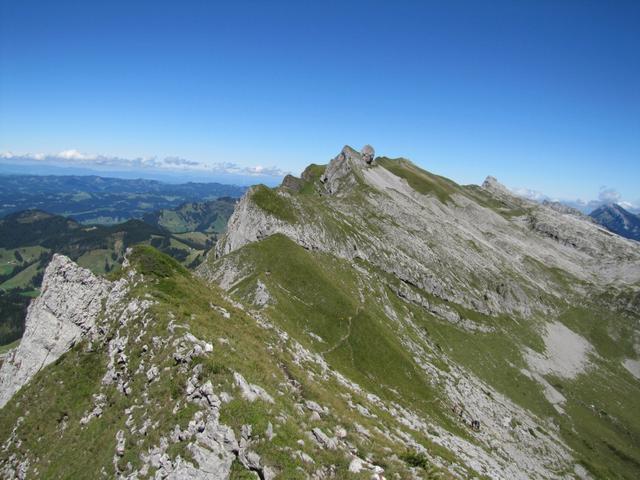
(368, 154)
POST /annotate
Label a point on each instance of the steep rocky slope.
(30, 238)
(65, 311)
(368, 320)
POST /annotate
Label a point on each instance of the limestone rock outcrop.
(342, 172)
(492, 185)
(65, 311)
(292, 183)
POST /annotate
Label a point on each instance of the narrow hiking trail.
(346, 336)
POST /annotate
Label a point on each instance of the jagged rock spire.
(493, 185)
(340, 169)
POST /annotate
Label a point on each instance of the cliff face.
(481, 247)
(65, 312)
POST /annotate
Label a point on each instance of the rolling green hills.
(28, 240)
(205, 217)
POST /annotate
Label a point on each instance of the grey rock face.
(262, 296)
(561, 208)
(341, 173)
(251, 392)
(440, 246)
(492, 184)
(324, 440)
(65, 311)
(250, 223)
(292, 183)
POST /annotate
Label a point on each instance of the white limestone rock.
(341, 173)
(368, 154)
(65, 311)
(325, 441)
(250, 391)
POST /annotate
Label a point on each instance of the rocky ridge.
(78, 310)
(464, 255)
(385, 221)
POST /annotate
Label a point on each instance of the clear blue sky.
(541, 94)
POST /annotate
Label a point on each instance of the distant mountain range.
(615, 218)
(610, 215)
(102, 200)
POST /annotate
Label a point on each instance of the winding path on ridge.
(346, 336)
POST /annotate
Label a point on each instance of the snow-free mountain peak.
(615, 218)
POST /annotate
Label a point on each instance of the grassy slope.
(210, 217)
(271, 202)
(420, 180)
(62, 393)
(9, 346)
(319, 294)
(8, 261)
(22, 279)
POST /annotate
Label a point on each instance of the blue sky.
(541, 94)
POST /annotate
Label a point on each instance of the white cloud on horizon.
(76, 158)
(70, 155)
(530, 194)
(609, 195)
(606, 195)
